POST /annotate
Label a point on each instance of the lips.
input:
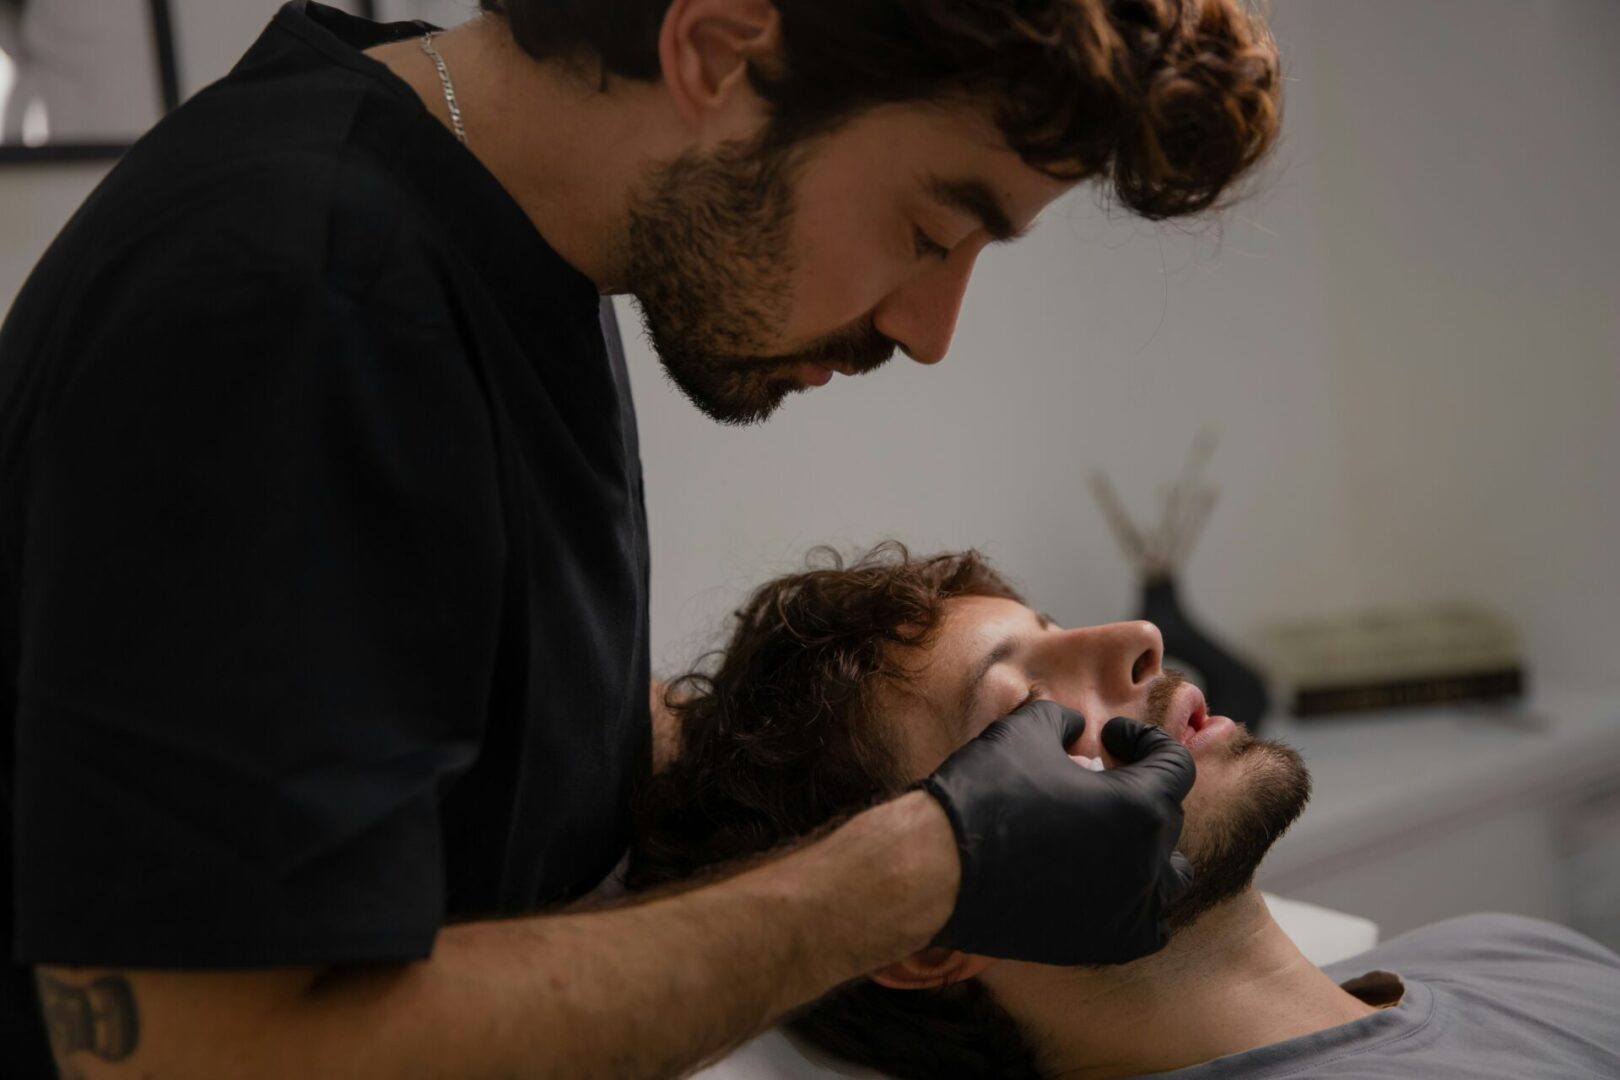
(814, 374)
(1187, 715)
(1188, 721)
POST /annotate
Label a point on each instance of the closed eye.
(1036, 693)
(927, 248)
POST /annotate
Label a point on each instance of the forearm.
(653, 989)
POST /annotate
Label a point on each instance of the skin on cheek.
(857, 207)
(843, 267)
(833, 288)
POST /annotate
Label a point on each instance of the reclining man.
(842, 685)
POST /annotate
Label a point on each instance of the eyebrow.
(974, 198)
(968, 701)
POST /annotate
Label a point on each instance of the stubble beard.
(1227, 842)
(708, 255)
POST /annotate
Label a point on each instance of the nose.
(1114, 663)
(1139, 654)
(1105, 671)
(921, 315)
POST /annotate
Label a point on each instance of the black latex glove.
(1060, 864)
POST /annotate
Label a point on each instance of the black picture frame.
(168, 72)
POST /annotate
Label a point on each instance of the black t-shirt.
(323, 561)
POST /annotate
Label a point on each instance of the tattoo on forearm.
(99, 1017)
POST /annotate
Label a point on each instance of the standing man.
(322, 550)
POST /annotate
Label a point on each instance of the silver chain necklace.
(449, 87)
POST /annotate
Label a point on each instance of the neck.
(1231, 982)
(567, 150)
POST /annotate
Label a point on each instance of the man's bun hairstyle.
(1166, 102)
(1209, 93)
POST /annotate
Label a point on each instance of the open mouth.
(1189, 722)
(1197, 721)
(1187, 715)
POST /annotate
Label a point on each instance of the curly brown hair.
(781, 735)
(1166, 102)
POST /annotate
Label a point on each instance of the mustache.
(1161, 692)
(859, 345)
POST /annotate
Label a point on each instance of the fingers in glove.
(1147, 749)
(1066, 724)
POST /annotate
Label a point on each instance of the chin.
(1236, 810)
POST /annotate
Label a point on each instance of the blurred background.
(1407, 339)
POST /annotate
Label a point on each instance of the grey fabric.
(1485, 996)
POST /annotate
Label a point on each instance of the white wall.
(1474, 237)
(1407, 341)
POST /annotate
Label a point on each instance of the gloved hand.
(1062, 865)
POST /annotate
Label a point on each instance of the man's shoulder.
(1492, 938)
(234, 182)
(253, 242)
(1493, 995)
(273, 207)
(1497, 958)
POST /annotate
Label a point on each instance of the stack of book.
(1395, 659)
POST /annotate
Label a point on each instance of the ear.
(930, 969)
(705, 47)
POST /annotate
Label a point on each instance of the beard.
(709, 260)
(1226, 843)
(1229, 834)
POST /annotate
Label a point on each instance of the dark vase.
(1233, 688)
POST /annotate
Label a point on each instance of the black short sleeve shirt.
(323, 562)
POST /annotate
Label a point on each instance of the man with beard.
(842, 685)
(323, 565)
